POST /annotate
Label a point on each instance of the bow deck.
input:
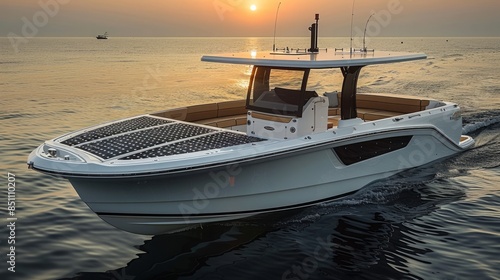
(147, 137)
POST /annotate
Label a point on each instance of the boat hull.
(167, 203)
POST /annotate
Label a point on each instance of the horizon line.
(329, 37)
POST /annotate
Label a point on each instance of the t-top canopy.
(323, 59)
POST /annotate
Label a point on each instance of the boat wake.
(383, 192)
(475, 122)
(483, 126)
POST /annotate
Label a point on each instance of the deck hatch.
(135, 141)
(202, 143)
(115, 128)
(357, 152)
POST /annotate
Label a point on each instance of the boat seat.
(207, 113)
(229, 113)
(405, 103)
(201, 112)
(225, 122)
(176, 114)
(333, 121)
(333, 111)
(231, 108)
(375, 106)
(376, 115)
(362, 111)
(390, 102)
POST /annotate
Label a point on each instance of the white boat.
(284, 147)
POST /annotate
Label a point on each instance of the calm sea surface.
(437, 222)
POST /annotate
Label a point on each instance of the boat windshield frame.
(280, 100)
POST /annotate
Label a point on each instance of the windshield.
(279, 91)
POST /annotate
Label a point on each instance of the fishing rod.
(275, 23)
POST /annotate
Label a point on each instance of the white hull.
(166, 203)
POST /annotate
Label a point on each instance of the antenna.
(275, 22)
(352, 18)
(314, 35)
(364, 35)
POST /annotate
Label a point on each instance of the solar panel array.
(130, 142)
(115, 128)
(202, 143)
(149, 137)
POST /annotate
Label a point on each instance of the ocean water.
(437, 222)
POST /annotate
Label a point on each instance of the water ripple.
(436, 222)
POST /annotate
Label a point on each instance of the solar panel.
(135, 141)
(116, 128)
(202, 143)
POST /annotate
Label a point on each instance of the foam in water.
(481, 120)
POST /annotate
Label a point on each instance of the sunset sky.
(236, 18)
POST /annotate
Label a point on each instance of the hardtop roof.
(323, 59)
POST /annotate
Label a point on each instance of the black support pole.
(348, 95)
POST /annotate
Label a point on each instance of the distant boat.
(102, 36)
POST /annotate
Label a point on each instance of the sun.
(253, 7)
